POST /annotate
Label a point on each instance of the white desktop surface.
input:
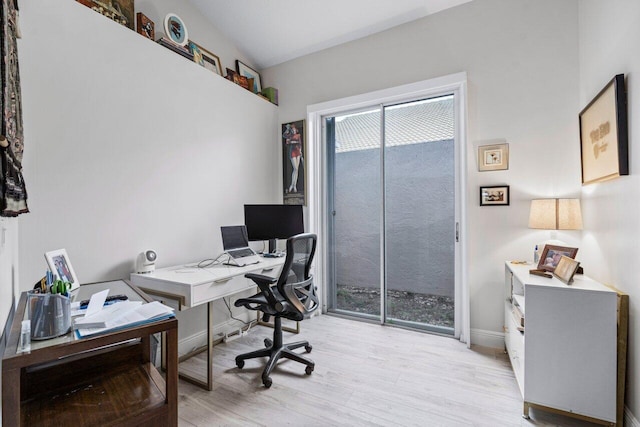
(197, 286)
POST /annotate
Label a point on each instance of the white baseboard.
(487, 338)
(629, 419)
(199, 339)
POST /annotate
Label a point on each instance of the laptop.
(235, 242)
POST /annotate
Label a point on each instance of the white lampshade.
(555, 214)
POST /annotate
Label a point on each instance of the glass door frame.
(318, 180)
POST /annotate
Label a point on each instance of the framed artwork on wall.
(497, 195)
(604, 150)
(293, 167)
(145, 26)
(493, 157)
(175, 29)
(207, 59)
(121, 11)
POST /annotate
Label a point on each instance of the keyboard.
(239, 253)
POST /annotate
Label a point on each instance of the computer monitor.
(271, 222)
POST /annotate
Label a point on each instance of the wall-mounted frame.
(497, 195)
(565, 269)
(248, 72)
(493, 157)
(121, 11)
(60, 266)
(145, 26)
(293, 167)
(552, 254)
(604, 143)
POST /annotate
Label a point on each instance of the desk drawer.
(220, 288)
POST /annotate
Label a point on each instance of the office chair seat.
(291, 296)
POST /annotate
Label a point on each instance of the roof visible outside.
(414, 123)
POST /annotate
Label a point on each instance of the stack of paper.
(119, 315)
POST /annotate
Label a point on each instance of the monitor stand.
(273, 253)
(272, 246)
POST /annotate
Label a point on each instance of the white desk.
(191, 286)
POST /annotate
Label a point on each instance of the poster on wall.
(293, 167)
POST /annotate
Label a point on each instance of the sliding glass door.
(391, 173)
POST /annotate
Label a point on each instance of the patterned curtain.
(13, 194)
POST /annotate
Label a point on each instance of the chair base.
(275, 350)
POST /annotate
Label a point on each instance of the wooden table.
(107, 379)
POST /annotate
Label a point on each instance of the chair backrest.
(295, 282)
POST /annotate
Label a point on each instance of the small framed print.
(205, 58)
(60, 266)
(565, 269)
(497, 195)
(248, 72)
(493, 157)
(145, 26)
(175, 29)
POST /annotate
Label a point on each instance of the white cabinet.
(566, 356)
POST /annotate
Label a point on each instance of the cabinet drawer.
(220, 288)
(515, 348)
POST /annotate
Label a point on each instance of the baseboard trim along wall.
(486, 338)
(629, 419)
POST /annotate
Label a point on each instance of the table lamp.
(555, 214)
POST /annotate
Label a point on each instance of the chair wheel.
(308, 370)
(267, 342)
(240, 363)
(267, 382)
(308, 348)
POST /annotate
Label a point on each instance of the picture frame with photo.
(205, 58)
(551, 255)
(60, 266)
(248, 72)
(566, 269)
(496, 195)
(145, 26)
(493, 157)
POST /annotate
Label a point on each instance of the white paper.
(96, 302)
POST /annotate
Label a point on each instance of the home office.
(128, 147)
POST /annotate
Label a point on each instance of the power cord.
(231, 314)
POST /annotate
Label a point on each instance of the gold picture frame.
(565, 269)
(493, 157)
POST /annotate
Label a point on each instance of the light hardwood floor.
(365, 375)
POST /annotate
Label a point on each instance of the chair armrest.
(264, 283)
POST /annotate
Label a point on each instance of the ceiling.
(270, 32)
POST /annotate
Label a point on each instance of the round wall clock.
(175, 29)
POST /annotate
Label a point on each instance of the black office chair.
(293, 297)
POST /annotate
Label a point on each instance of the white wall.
(609, 45)
(129, 146)
(521, 62)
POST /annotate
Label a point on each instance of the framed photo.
(551, 256)
(604, 146)
(60, 266)
(175, 29)
(497, 195)
(250, 73)
(121, 11)
(145, 26)
(205, 58)
(565, 269)
(293, 167)
(493, 157)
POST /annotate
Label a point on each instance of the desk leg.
(208, 385)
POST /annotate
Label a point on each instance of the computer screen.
(234, 236)
(271, 222)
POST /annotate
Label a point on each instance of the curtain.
(13, 193)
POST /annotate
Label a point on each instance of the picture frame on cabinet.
(205, 58)
(248, 72)
(145, 26)
(496, 195)
(493, 157)
(604, 146)
(60, 265)
(551, 255)
(566, 269)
